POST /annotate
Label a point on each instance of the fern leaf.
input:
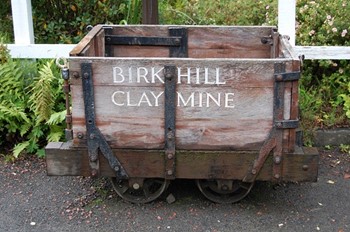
(42, 99)
(19, 148)
(57, 118)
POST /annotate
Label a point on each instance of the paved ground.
(32, 201)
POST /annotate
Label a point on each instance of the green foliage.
(325, 92)
(30, 99)
(62, 21)
(223, 12)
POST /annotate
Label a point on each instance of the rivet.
(80, 135)
(136, 186)
(277, 176)
(92, 136)
(75, 75)
(94, 172)
(177, 41)
(277, 159)
(116, 168)
(254, 171)
(305, 167)
(170, 156)
(170, 135)
(169, 172)
(86, 75)
(168, 76)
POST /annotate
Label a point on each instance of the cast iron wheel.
(233, 192)
(150, 189)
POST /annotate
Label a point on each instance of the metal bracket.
(169, 115)
(291, 76)
(108, 47)
(95, 139)
(287, 124)
(275, 138)
(182, 49)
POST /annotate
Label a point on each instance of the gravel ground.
(32, 201)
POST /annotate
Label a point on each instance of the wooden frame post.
(150, 12)
(286, 19)
(22, 21)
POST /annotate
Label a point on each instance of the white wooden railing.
(24, 46)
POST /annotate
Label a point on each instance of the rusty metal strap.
(95, 139)
(142, 40)
(287, 124)
(169, 115)
(290, 76)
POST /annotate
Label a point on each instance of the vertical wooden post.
(286, 19)
(22, 21)
(150, 12)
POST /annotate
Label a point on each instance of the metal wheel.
(224, 191)
(139, 190)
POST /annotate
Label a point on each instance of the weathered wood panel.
(221, 104)
(62, 159)
(203, 42)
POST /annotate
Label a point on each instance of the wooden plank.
(324, 52)
(22, 22)
(286, 18)
(86, 41)
(223, 112)
(228, 42)
(40, 50)
(66, 160)
(203, 42)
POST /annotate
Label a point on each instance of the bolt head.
(277, 159)
(136, 186)
(169, 172)
(170, 155)
(305, 167)
(76, 75)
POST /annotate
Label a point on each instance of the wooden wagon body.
(197, 102)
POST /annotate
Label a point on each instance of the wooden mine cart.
(155, 103)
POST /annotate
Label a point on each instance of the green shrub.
(325, 92)
(30, 99)
(224, 12)
(62, 21)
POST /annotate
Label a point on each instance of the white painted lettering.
(115, 99)
(118, 76)
(206, 77)
(179, 75)
(128, 100)
(216, 101)
(180, 99)
(228, 99)
(155, 74)
(156, 97)
(142, 75)
(218, 77)
(144, 99)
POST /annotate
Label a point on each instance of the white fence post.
(286, 19)
(22, 21)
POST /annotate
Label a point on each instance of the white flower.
(344, 32)
(329, 17)
(312, 32)
(334, 29)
